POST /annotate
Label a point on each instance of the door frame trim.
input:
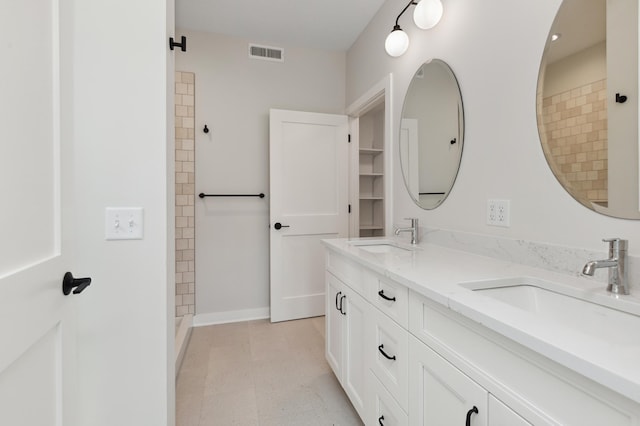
(371, 98)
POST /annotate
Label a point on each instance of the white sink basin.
(611, 323)
(381, 246)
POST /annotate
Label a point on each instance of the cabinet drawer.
(348, 272)
(392, 299)
(385, 410)
(388, 354)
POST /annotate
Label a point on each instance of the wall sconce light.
(426, 15)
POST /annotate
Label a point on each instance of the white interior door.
(37, 327)
(308, 157)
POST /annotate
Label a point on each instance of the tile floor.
(258, 373)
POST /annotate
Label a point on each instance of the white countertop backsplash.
(565, 260)
(445, 259)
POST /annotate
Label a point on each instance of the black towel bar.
(202, 195)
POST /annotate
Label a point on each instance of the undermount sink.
(381, 246)
(611, 323)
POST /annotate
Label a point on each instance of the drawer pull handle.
(380, 419)
(385, 297)
(469, 413)
(341, 305)
(337, 296)
(380, 348)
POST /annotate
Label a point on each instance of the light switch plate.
(124, 223)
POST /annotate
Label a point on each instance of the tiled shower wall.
(185, 193)
(576, 138)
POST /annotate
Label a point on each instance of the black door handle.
(380, 419)
(69, 283)
(278, 225)
(469, 413)
(392, 358)
(339, 308)
(341, 299)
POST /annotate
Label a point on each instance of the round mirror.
(431, 134)
(587, 104)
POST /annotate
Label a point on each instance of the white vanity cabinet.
(391, 377)
(366, 347)
(521, 386)
(346, 321)
(405, 359)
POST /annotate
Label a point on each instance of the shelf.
(371, 227)
(371, 151)
(369, 174)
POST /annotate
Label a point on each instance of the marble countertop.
(437, 272)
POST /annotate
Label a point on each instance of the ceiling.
(322, 24)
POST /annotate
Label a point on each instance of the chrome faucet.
(413, 229)
(618, 277)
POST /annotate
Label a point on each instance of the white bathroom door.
(308, 157)
(37, 325)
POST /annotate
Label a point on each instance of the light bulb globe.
(427, 13)
(397, 43)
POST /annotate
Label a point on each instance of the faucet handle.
(616, 244)
(412, 219)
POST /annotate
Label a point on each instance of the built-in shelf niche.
(371, 197)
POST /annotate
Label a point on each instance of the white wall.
(117, 84)
(579, 69)
(494, 47)
(233, 96)
(622, 77)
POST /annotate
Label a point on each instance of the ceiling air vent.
(266, 53)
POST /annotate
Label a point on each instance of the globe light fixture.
(397, 42)
(426, 15)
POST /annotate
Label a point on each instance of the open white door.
(37, 325)
(308, 202)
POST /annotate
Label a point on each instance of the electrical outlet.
(498, 213)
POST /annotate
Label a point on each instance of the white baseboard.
(183, 334)
(230, 316)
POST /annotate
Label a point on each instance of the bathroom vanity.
(427, 335)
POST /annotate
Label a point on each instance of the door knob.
(69, 283)
(278, 225)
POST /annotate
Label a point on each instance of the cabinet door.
(333, 324)
(440, 394)
(355, 337)
(501, 415)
